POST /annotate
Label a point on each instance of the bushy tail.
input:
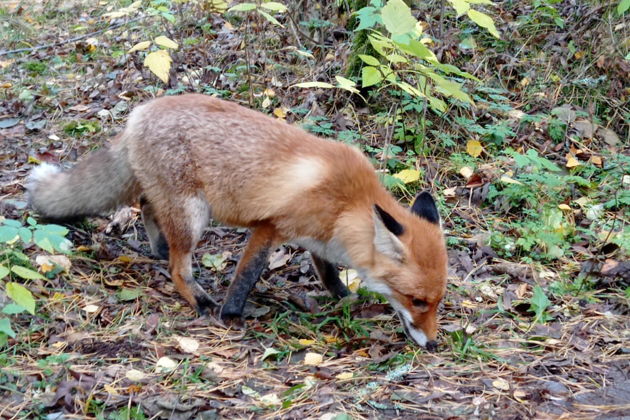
(99, 183)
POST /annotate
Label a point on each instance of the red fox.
(191, 157)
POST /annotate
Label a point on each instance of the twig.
(67, 41)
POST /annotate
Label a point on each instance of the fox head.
(409, 266)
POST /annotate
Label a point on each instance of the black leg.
(251, 265)
(329, 275)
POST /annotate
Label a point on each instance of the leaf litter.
(120, 336)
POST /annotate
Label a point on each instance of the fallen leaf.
(596, 160)
(140, 46)
(608, 136)
(90, 308)
(165, 365)
(313, 359)
(187, 344)
(135, 375)
(572, 162)
(280, 113)
(449, 192)
(564, 207)
(345, 376)
(165, 42)
(305, 342)
(501, 384)
(474, 148)
(466, 172)
(351, 278)
(408, 175)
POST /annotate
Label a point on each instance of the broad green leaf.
(22, 296)
(539, 302)
(5, 327)
(408, 175)
(269, 352)
(8, 233)
(159, 62)
(3, 271)
(419, 50)
(450, 88)
(126, 294)
(243, 7)
(165, 42)
(368, 17)
(274, 6)
(346, 84)
(13, 309)
(217, 262)
(26, 235)
(370, 76)
(484, 21)
(313, 84)
(26, 273)
(396, 58)
(623, 7)
(54, 229)
(397, 17)
(12, 223)
(140, 46)
(437, 104)
(31, 221)
(460, 6)
(368, 59)
(269, 17)
(410, 89)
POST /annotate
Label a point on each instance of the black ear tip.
(424, 206)
(390, 223)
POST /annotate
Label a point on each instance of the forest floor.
(112, 339)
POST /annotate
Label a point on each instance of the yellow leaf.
(6, 85)
(140, 46)
(280, 113)
(313, 359)
(501, 384)
(329, 339)
(572, 162)
(351, 278)
(579, 55)
(266, 102)
(564, 207)
(110, 389)
(159, 62)
(408, 175)
(165, 42)
(506, 179)
(474, 148)
(345, 375)
(596, 160)
(269, 92)
(305, 342)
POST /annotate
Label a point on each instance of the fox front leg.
(251, 265)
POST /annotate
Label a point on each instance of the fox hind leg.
(182, 232)
(157, 240)
(329, 276)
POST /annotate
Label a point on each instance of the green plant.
(81, 128)
(538, 305)
(14, 264)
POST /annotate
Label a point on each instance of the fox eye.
(419, 303)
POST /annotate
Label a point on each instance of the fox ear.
(386, 229)
(424, 206)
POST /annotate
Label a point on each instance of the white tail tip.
(41, 173)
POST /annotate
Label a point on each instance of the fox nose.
(432, 346)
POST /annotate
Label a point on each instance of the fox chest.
(332, 251)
